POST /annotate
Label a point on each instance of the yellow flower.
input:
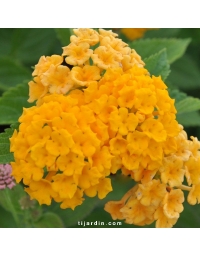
(101, 159)
(173, 203)
(101, 130)
(162, 221)
(172, 171)
(117, 44)
(85, 35)
(194, 195)
(131, 161)
(164, 102)
(154, 129)
(126, 97)
(137, 142)
(170, 145)
(41, 191)
(60, 143)
(85, 142)
(102, 188)
(145, 100)
(71, 164)
(151, 193)
(122, 121)
(64, 185)
(106, 33)
(19, 139)
(154, 151)
(146, 175)
(36, 89)
(76, 200)
(136, 213)
(37, 132)
(58, 79)
(113, 207)
(116, 164)
(45, 63)
(83, 76)
(194, 146)
(77, 54)
(170, 124)
(41, 155)
(183, 150)
(118, 145)
(89, 177)
(105, 57)
(21, 171)
(193, 171)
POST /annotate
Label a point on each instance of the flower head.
(99, 110)
(6, 180)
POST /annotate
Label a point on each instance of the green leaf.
(49, 220)
(193, 33)
(175, 47)
(157, 64)
(177, 95)
(189, 119)
(186, 106)
(12, 103)
(5, 155)
(189, 104)
(6, 219)
(185, 74)
(162, 33)
(12, 73)
(12, 196)
(63, 35)
(183, 102)
(9, 200)
(29, 44)
(5, 40)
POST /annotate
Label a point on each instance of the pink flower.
(6, 180)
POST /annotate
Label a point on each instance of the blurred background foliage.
(178, 62)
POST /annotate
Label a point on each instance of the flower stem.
(12, 208)
(184, 187)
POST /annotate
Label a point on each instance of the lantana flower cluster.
(98, 111)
